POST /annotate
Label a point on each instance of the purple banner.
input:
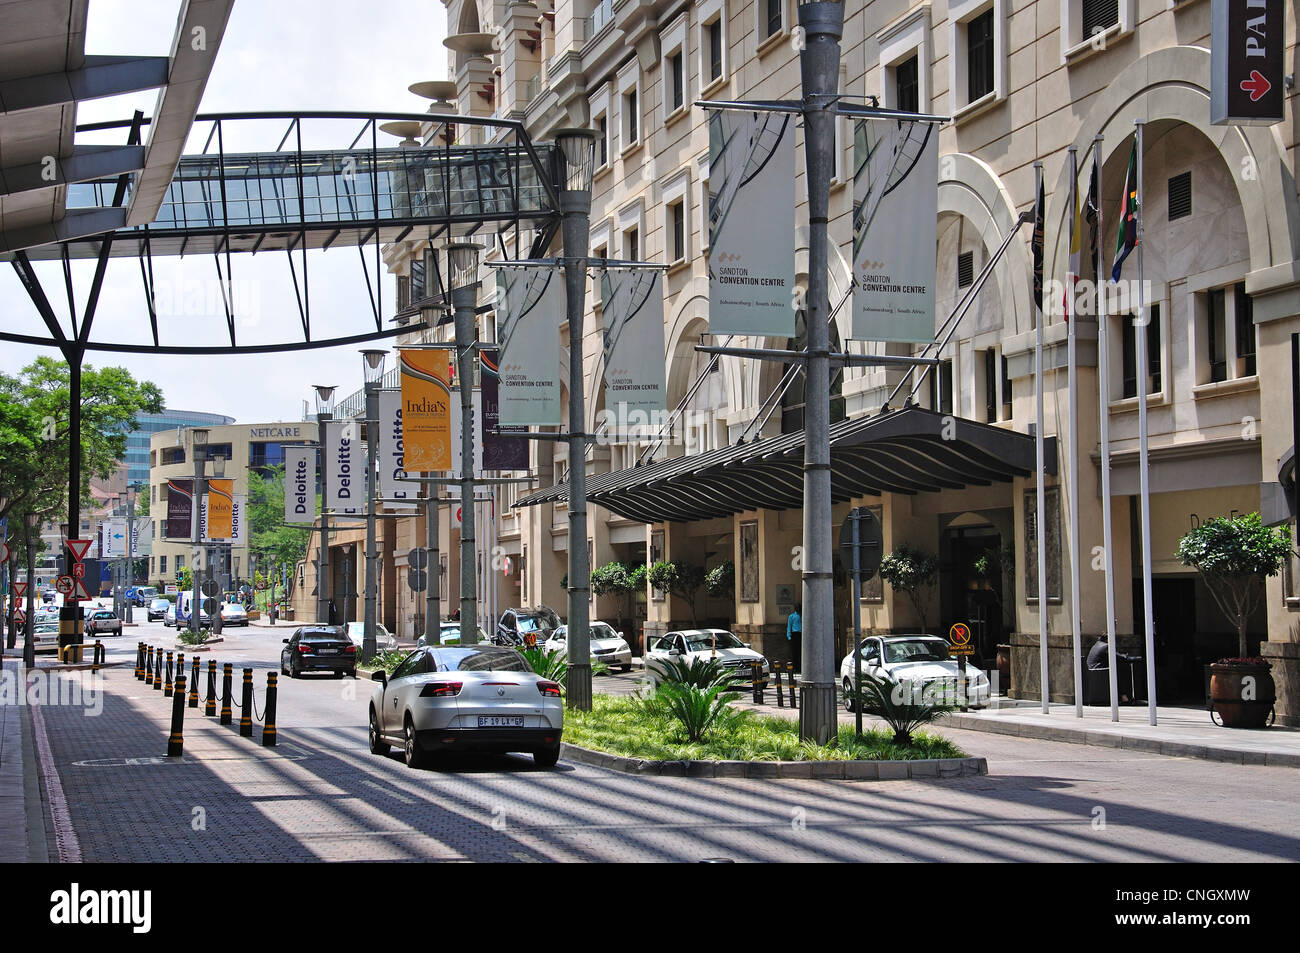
(180, 509)
(499, 453)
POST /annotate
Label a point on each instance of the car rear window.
(484, 659)
(323, 635)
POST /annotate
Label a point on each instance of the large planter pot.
(1242, 693)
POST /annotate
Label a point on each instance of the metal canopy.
(904, 451)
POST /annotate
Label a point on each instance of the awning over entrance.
(903, 451)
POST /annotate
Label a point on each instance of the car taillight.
(304, 648)
(350, 650)
(549, 688)
(441, 689)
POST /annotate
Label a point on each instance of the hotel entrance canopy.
(904, 451)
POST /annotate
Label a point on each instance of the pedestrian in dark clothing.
(794, 637)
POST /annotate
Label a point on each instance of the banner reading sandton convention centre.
(530, 307)
(751, 223)
(633, 314)
(895, 206)
(300, 484)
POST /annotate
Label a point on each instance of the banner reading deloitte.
(426, 407)
(895, 206)
(392, 473)
(634, 344)
(300, 484)
(345, 471)
(530, 306)
(751, 223)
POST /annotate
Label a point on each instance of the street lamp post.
(577, 147)
(462, 267)
(130, 546)
(32, 522)
(324, 414)
(199, 448)
(373, 363)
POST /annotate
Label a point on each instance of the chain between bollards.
(210, 706)
(268, 721)
(176, 741)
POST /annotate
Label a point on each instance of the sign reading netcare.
(633, 314)
(530, 307)
(751, 223)
(895, 206)
(392, 468)
(426, 411)
(345, 467)
(300, 484)
(1247, 68)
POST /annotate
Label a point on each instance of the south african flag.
(1130, 208)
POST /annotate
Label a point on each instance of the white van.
(183, 602)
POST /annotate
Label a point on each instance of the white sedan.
(607, 645)
(449, 634)
(921, 660)
(232, 613)
(385, 641)
(466, 698)
(688, 645)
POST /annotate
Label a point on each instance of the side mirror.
(379, 676)
(673, 653)
(746, 645)
(285, 641)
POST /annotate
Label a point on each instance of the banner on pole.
(300, 484)
(895, 207)
(221, 513)
(180, 509)
(392, 471)
(499, 453)
(476, 411)
(530, 307)
(751, 223)
(345, 488)
(635, 382)
(112, 538)
(426, 411)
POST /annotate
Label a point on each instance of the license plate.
(500, 721)
(329, 651)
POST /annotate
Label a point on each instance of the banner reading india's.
(751, 223)
(221, 503)
(499, 452)
(180, 509)
(393, 484)
(634, 344)
(530, 308)
(300, 484)
(426, 411)
(895, 206)
(237, 535)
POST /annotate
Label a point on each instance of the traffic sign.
(209, 587)
(20, 617)
(64, 584)
(418, 558)
(79, 548)
(79, 570)
(210, 606)
(417, 579)
(870, 542)
(20, 589)
(79, 590)
(959, 642)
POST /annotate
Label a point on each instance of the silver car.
(466, 698)
(606, 645)
(385, 641)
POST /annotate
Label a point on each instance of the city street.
(320, 795)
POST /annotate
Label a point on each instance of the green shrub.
(695, 709)
(903, 705)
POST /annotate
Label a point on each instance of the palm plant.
(554, 664)
(902, 705)
(695, 709)
(697, 672)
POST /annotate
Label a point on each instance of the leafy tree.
(678, 579)
(270, 538)
(615, 579)
(912, 572)
(1233, 556)
(721, 580)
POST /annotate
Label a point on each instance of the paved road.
(322, 795)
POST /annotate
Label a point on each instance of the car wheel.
(848, 695)
(415, 758)
(626, 668)
(546, 757)
(377, 744)
(294, 670)
(352, 673)
(338, 673)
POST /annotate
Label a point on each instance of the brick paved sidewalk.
(22, 816)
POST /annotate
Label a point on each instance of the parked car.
(45, 636)
(466, 698)
(232, 613)
(607, 645)
(143, 595)
(449, 634)
(103, 622)
(920, 659)
(385, 641)
(687, 645)
(520, 626)
(319, 647)
(170, 618)
(158, 608)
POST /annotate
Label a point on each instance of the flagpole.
(1040, 512)
(1071, 377)
(1140, 334)
(1103, 374)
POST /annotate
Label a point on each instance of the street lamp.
(324, 413)
(373, 367)
(199, 449)
(31, 522)
(578, 149)
(462, 270)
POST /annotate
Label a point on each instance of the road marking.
(65, 838)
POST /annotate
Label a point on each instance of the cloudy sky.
(286, 54)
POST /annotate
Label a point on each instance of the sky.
(276, 54)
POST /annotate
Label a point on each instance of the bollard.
(194, 684)
(246, 713)
(167, 685)
(210, 706)
(780, 694)
(176, 741)
(227, 675)
(99, 657)
(148, 668)
(756, 681)
(268, 719)
(794, 697)
(139, 661)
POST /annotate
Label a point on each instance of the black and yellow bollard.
(268, 720)
(194, 684)
(176, 740)
(97, 659)
(210, 706)
(139, 661)
(794, 696)
(148, 667)
(780, 694)
(227, 676)
(167, 685)
(756, 681)
(246, 712)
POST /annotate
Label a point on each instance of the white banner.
(634, 346)
(238, 524)
(300, 484)
(751, 223)
(392, 476)
(142, 537)
(476, 403)
(530, 308)
(895, 210)
(345, 467)
(113, 538)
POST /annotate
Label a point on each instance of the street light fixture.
(578, 149)
(373, 369)
(462, 271)
(324, 414)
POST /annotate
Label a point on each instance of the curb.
(1110, 739)
(782, 770)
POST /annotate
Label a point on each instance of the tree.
(911, 571)
(1233, 556)
(614, 579)
(678, 579)
(721, 580)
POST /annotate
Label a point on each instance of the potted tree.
(1234, 555)
(912, 572)
(678, 579)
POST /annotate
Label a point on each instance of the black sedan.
(319, 648)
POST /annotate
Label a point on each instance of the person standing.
(794, 637)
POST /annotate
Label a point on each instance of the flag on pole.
(1076, 243)
(1037, 245)
(1127, 238)
(1094, 218)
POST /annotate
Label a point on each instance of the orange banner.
(426, 411)
(221, 509)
